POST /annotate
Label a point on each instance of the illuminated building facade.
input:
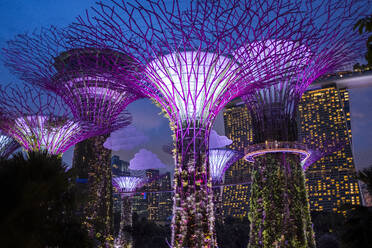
(325, 114)
(237, 128)
(166, 200)
(156, 206)
(119, 169)
(153, 198)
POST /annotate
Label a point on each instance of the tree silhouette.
(357, 229)
(37, 203)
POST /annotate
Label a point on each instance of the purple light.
(128, 183)
(7, 146)
(220, 160)
(93, 82)
(40, 121)
(194, 80)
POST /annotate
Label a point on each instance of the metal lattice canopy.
(40, 120)
(7, 145)
(188, 68)
(128, 184)
(220, 160)
(92, 81)
(319, 40)
(184, 50)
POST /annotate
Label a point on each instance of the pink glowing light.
(220, 160)
(128, 183)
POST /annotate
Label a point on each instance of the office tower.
(153, 198)
(165, 200)
(237, 128)
(119, 167)
(324, 114)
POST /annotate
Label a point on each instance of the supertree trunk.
(193, 222)
(279, 209)
(217, 203)
(93, 163)
(125, 237)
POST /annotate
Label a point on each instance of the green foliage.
(279, 210)
(37, 207)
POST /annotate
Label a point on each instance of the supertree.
(184, 55)
(220, 160)
(279, 210)
(40, 121)
(7, 146)
(94, 84)
(126, 185)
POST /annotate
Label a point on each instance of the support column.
(193, 219)
(125, 237)
(92, 162)
(279, 209)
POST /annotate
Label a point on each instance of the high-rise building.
(120, 168)
(155, 203)
(324, 116)
(237, 128)
(165, 201)
(153, 198)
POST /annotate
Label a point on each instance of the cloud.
(125, 139)
(358, 115)
(218, 141)
(144, 159)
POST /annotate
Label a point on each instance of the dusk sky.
(19, 16)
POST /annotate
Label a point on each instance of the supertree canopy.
(326, 42)
(94, 84)
(127, 185)
(184, 53)
(40, 120)
(220, 160)
(7, 146)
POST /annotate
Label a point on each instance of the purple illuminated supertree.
(7, 145)
(220, 160)
(279, 210)
(126, 185)
(39, 120)
(94, 84)
(184, 55)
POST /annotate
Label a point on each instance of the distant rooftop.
(345, 79)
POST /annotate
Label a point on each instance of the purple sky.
(19, 16)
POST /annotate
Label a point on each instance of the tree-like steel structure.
(39, 120)
(126, 185)
(184, 53)
(7, 145)
(94, 84)
(220, 159)
(279, 209)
